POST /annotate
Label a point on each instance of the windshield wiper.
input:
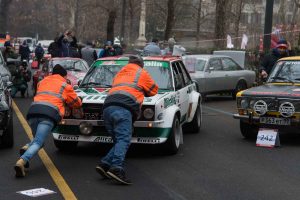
(282, 78)
(89, 84)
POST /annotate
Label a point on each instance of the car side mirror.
(75, 87)
(210, 69)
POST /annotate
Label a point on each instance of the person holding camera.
(21, 76)
(68, 44)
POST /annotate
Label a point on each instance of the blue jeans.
(118, 123)
(41, 128)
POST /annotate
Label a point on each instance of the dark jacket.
(24, 51)
(53, 49)
(270, 59)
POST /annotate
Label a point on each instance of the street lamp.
(141, 41)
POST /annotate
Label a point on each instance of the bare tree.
(220, 22)
(170, 19)
(4, 7)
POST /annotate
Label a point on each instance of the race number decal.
(267, 138)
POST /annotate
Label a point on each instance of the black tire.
(249, 131)
(195, 125)
(65, 145)
(241, 85)
(171, 146)
(7, 139)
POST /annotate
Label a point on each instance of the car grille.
(93, 111)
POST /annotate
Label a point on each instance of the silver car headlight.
(148, 113)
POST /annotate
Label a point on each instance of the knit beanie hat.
(58, 69)
(136, 59)
(282, 43)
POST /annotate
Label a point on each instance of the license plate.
(274, 120)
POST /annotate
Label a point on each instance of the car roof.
(206, 56)
(157, 58)
(65, 58)
(290, 58)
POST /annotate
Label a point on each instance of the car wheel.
(195, 125)
(172, 145)
(249, 131)
(7, 139)
(65, 145)
(241, 85)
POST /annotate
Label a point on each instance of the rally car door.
(182, 91)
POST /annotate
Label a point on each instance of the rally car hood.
(271, 90)
(98, 95)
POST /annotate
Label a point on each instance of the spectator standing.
(152, 48)
(24, 51)
(121, 108)
(45, 112)
(53, 48)
(68, 44)
(89, 54)
(283, 49)
(39, 53)
(21, 76)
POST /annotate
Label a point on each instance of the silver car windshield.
(71, 65)
(285, 71)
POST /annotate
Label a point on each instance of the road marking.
(51, 168)
(218, 110)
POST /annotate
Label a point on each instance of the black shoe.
(22, 151)
(102, 170)
(119, 175)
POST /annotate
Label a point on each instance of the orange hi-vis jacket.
(131, 84)
(53, 93)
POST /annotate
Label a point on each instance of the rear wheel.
(172, 145)
(195, 125)
(7, 139)
(241, 85)
(65, 145)
(249, 131)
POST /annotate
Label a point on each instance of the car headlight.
(77, 113)
(148, 113)
(85, 128)
(67, 112)
(244, 103)
(251, 104)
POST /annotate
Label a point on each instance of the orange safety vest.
(134, 82)
(54, 91)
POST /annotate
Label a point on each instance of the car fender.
(193, 103)
(169, 115)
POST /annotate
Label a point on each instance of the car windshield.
(103, 72)
(285, 71)
(70, 65)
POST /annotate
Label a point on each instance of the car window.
(230, 65)
(216, 64)
(187, 79)
(177, 77)
(78, 66)
(200, 64)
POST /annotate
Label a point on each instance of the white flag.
(244, 41)
(229, 42)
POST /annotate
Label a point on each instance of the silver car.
(217, 73)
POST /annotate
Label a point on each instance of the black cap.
(136, 60)
(58, 69)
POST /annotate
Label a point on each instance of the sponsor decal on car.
(104, 139)
(148, 140)
(169, 101)
(68, 137)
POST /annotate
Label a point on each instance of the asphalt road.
(217, 163)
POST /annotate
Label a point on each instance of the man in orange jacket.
(121, 108)
(45, 112)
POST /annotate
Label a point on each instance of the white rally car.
(176, 107)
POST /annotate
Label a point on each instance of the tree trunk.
(123, 20)
(239, 5)
(198, 22)
(111, 24)
(220, 23)
(4, 6)
(170, 19)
